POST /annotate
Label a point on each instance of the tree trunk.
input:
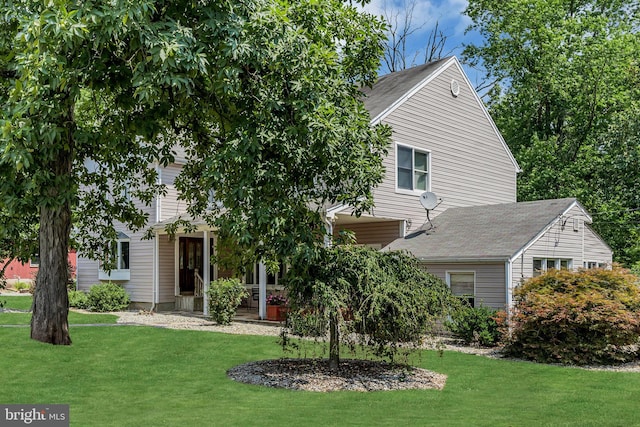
(334, 342)
(49, 322)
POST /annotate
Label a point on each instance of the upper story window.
(412, 169)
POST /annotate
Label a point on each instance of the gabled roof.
(392, 90)
(485, 233)
(392, 87)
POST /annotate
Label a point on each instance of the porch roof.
(198, 222)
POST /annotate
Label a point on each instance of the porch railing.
(198, 290)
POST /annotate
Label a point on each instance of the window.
(462, 285)
(540, 265)
(413, 169)
(118, 252)
(252, 276)
(34, 261)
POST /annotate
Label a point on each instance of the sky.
(451, 21)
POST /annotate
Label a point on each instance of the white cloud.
(448, 13)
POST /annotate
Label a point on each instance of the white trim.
(547, 228)
(488, 116)
(508, 269)
(118, 273)
(206, 267)
(156, 271)
(115, 275)
(262, 285)
(391, 108)
(176, 270)
(158, 196)
(413, 148)
(331, 212)
(448, 281)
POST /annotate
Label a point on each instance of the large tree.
(565, 79)
(404, 33)
(261, 94)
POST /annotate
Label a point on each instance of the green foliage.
(262, 96)
(225, 295)
(475, 325)
(107, 297)
(79, 299)
(584, 317)
(562, 85)
(19, 286)
(380, 299)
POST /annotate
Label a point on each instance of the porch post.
(205, 274)
(262, 283)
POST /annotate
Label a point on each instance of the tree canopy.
(566, 85)
(262, 95)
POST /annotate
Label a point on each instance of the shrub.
(108, 297)
(225, 295)
(475, 325)
(585, 317)
(78, 299)
(20, 286)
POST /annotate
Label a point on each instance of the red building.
(17, 271)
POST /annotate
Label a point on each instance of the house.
(17, 271)
(476, 237)
(484, 252)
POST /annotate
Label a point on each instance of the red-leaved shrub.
(576, 317)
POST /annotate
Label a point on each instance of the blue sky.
(451, 19)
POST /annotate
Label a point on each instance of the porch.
(183, 271)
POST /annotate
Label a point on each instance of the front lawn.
(24, 303)
(17, 302)
(131, 376)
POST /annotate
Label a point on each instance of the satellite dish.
(429, 200)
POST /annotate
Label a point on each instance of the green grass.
(24, 303)
(132, 376)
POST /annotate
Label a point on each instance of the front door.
(190, 260)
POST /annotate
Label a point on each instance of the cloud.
(448, 13)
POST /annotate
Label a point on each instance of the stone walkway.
(196, 323)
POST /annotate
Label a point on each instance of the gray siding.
(469, 163)
(139, 286)
(595, 250)
(170, 206)
(167, 266)
(87, 273)
(490, 280)
(563, 241)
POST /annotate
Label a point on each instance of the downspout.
(155, 291)
(156, 272)
(508, 281)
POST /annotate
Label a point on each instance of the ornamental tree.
(359, 295)
(262, 96)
